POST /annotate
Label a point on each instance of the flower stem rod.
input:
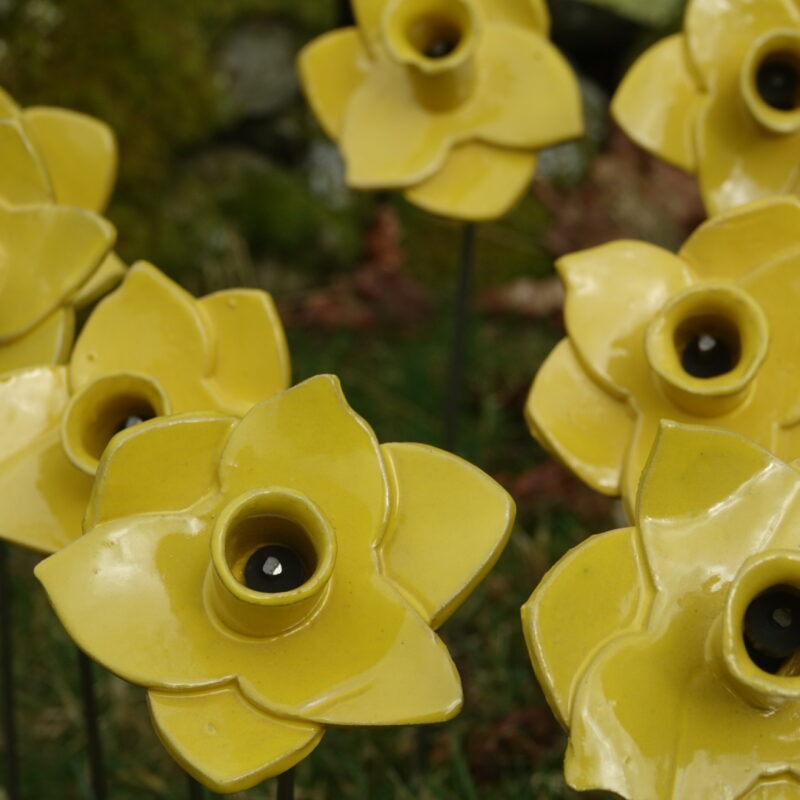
(91, 719)
(458, 351)
(286, 785)
(195, 790)
(7, 678)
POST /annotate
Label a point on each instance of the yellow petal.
(331, 68)
(578, 420)
(742, 240)
(79, 152)
(599, 590)
(717, 34)
(44, 494)
(110, 272)
(449, 523)
(225, 742)
(8, 107)
(477, 182)
(46, 253)
(780, 788)
(23, 179)
(309, 439)
(48, 343)
(251, 357)
(527, 14)
(658, 101)
(613, 291)
(166, 465)
(738, 160)
(149, 325)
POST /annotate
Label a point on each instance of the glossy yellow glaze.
(241, 679)
(669, 650)
(633, 311)
(447, 100)
(148, 349)
(57, 156)
(697, 99)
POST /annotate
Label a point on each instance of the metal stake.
(94, 743)
(286, 785)
(7, 678)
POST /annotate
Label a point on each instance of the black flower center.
(135, 418)
(434, 37)
(708, 355)
(772, 628)
(778, 83)
(275, 568)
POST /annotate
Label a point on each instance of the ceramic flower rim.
(322, 560)
(680, 677)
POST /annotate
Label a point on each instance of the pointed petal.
(225, 742)
(331, 68)
(149, 325)
(658, 101)
(122, 591)
(718, 34)
(310, 440)
(23, 179)
(167, 465)
(738, 161)
(734, 244)
(531, 15)
(599, 590)
(368, 15)
(46, 253)
(693, 469)
(477, 182)
(79, 152)
(578, 420)
(398, 672)
(110, 272)
(613, 291)
(48, 343)
(251, 357)
(449, 524)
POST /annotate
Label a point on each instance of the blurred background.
(226, 180)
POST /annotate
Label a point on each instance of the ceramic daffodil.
(708, 335)
(148, 349)
(56, 156)
(268, 577)
(447, 100)
(671, 651)
(47, 255)
(722, 99)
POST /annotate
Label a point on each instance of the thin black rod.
(7, 678)
(94, 744)
(196, 790)
(458, 351)
(286, 785)
(344, 13)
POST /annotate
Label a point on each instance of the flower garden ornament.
(48, 253)
(722, 99)
(671, 650)
(268, 577)
(54, 155)
(705, 336)
(446, 100)
(148, 349)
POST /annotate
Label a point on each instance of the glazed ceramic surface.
(722, 99)
(671, 650)
(268, 577)
(57, 156)
(447, 100)
(708, 335)
(148, 349)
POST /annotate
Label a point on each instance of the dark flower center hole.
(135, 417)
(708, 346)
(778, 82)
(434, 38)
(772, 628)
(275, 568)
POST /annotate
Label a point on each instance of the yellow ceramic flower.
(148, 349)
(722, 99)
(707, 335)
(47, 254)
(447, 100)
(54, 155)
(267, 577)
(671, 651)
